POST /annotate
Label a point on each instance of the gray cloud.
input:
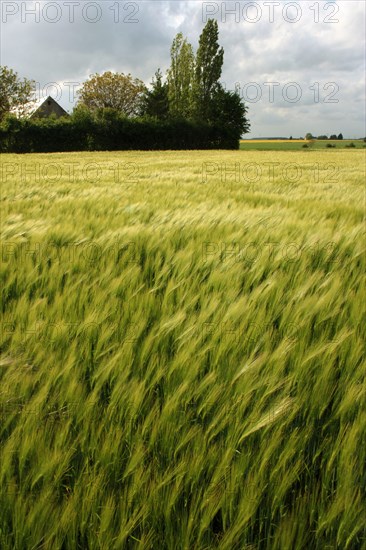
(136, 37)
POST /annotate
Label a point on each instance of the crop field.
(299, 144)
(182, 356)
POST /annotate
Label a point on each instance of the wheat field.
(182, 351)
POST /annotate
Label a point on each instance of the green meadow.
(182, 351)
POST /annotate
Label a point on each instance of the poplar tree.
(208, 68)
(180, 77)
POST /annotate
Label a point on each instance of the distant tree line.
(188, 109)
(333, 136)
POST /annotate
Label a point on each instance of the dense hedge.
(108, 132)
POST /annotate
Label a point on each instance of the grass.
(298, 145)
(182, 351)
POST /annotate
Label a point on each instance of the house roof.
(38, 104)
(34, 106)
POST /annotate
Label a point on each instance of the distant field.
(182, 351)
(297, 144)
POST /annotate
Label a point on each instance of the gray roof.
(39, 102)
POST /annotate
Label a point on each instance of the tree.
(309, 136)
(113, 91)
(15, 94)
(333, 136)
(323, 137)
(194, 89)
(228, 111)
(156, 101)
(180, 77)
(340, 136)
(208, 68)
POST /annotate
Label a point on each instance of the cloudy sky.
(299, 66)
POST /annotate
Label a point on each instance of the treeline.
(107, 131)
(189, 110)
(323, 137)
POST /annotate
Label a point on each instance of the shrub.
(106, 130)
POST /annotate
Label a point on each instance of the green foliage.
(117, 91)
(194, 89)
(180, 77)
(108, 130)
(340, 136)
(208, 68)
(15, 94)
(228, 111)
(156, 100)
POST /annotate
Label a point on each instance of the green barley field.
(182, 351)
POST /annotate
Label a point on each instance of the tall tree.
(156, 101)
(180, 77)
(113, 91)
(15, 94)
(208, 68)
